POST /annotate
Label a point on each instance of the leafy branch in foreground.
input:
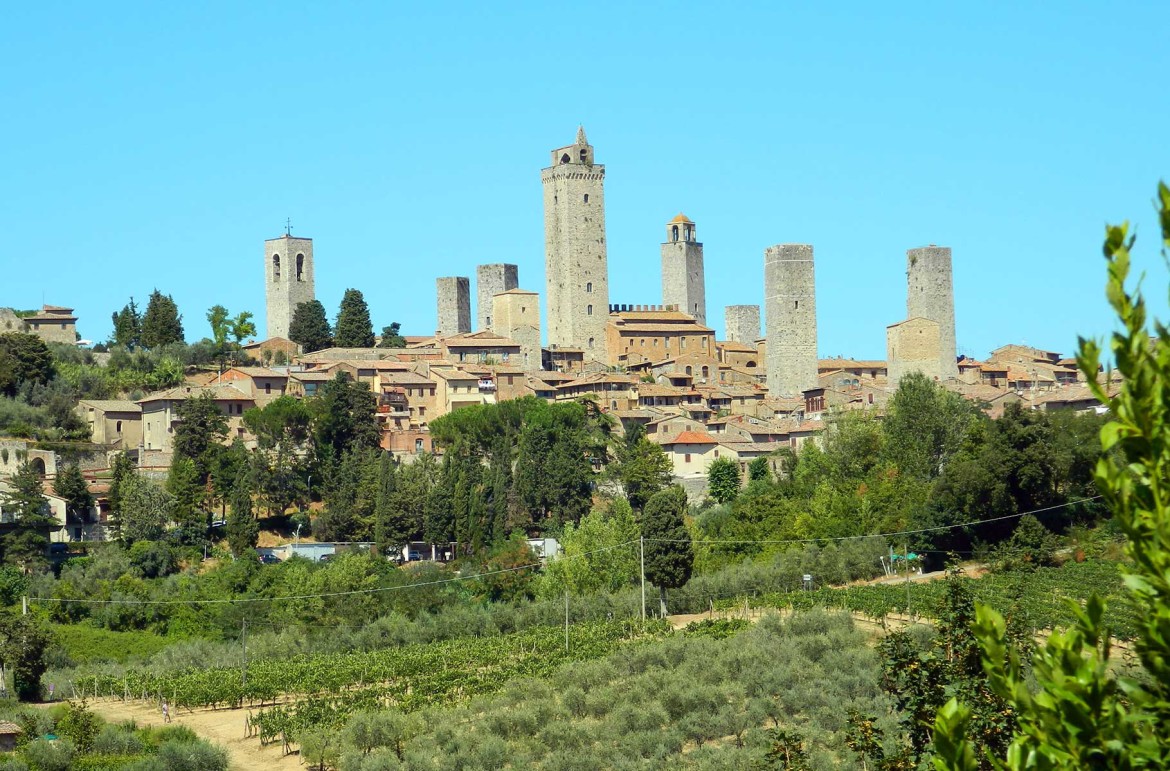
(1085, 714)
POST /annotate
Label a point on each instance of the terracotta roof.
(693, 437)
(259, 372)
(10, 728)
(406, 378)
(688, 327)
(681, 218)
(220, 392)
(732, 345)
(251, 345)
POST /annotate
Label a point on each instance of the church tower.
(682, 269)
(288, 280)
(576, 274)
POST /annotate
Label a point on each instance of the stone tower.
(516, 315)
(930, 295)
(742, 323)
(288, 280)
(912, 346)
(454, 296)
(790, 308)
(490, 280)
(576, 276)
(682, 269)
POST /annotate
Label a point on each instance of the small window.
(300, 267)
(588, 310)
(687, 457)
(268, 388)
(418, 445)
(275, 267)
(716, 453)
(674, 232)
(795, 304)
(565, 158)
(584, 155)
(586, 196)
(118, 427)
(591, 343)
(589, 287)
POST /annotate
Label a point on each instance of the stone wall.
(913, 346)
(791, 314)
(490, 280)
(742, 323)
(454, 304)
(516, 315)
(576, 272)
(285, 285)
(930, 295)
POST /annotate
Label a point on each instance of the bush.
(43, 755)
(192, 756)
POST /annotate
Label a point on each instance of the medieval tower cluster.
(577, 292)
(288, 280)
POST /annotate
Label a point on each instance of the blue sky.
(158, 145)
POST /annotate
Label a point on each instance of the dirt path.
(224, 727)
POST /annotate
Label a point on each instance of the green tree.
(354, 329)
(202, 426)
(161, 324)
(127, 327)
(388, 532)
(925, 425)
(243, 530)
(121, 468)
(669, 554)
(344, 416)
(391, 337)
(217, 318)
(24, 359)
(759, 470)
(70, 485)
(1086, 712)
(188, 494)
(25, 498)
(723, 480)
(639, 466)
(600, 554)
(145, 510)
(241, 327)
(23, 642)
(309, 327)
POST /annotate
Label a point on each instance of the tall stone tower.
(490, 280)
(790, 307)
(930, 295)
(741, 323)
(454, 300)
(682, 269)
(516, 315)
(288, 280)
(576, 276)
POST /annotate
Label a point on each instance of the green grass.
(86, 644)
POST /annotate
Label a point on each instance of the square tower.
(741, 323)
(930, 294)
(790, 308)
(576, 273)
(682, 269)
(516, 315)
(454, 301)
(288, 280)
(490, 280)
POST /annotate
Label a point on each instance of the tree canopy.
(310, 328)
(161, 324)
(354, 329)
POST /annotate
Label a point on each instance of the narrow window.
(276, 267)
(591, 343)
(588, 310)
(716, 453)
(300, 267)
(268, 388)
(674, 232)
(586, 198)
(689, 372)
(118, 425)
(584, 155)
(687, 457)
(796, 304)
(565, 158)
(589, 287)
(706, 371)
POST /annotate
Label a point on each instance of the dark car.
(270, 559)
(325, 558)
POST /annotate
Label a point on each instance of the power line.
(230, 601)
(886, 535)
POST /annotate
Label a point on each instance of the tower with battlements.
(576, 273)
(682, 269)
(790, 310)
(930, 295)
(288, 280)
(491, 280)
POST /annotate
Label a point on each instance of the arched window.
(586, 198)
(706, 371)
(118, 427)
(751, 364)
(589, 287)
(565, 158)
(689, 372)
(38, 465)
(674, 232)
(588, 310)
(300, 267)
(591, 343)
(687, 233)
(275, 267)
(584, 154)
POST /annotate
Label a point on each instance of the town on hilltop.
(654, 364)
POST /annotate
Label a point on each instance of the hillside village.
(656, 365)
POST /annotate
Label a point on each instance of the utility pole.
(244, 643)
(642, 550)
(24, 605)
(906, 555)
(566, 621)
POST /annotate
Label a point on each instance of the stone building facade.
(491, 280)
(791, 313)
(682, 269)
(576, 271)
(53, 324)
(288, 282)
(930, 295)
(516, 315)
(742, 323)
(454, 301)
(913, 345)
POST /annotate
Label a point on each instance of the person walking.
(166, 710)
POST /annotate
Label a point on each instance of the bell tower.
(682, 269)
(288, 280)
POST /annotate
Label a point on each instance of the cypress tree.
(309, 327)
(670, 556)
(161, 324)
(243, 530)
(127, 326)
(354, 329)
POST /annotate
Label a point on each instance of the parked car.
(325, 558)
(270, 559)
(414, 556)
